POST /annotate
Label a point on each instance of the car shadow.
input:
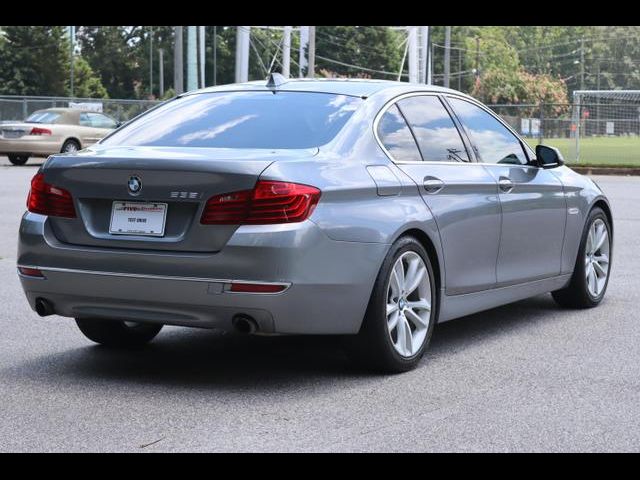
(194, 358)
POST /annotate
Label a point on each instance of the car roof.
(339, 86)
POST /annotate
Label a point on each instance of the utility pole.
(151, 61)
(215, 55)
(161, 72)
(242, 53)
(447, 55)
(459, 70)
(304, 42)
(477, 57)
(72, 45)
(192, 61)
(178, 66)
(413, 54)
(582, 64)
(311, 72)
(201, 52)
(424, 54)
(286, 52)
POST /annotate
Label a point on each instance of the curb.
(606, 170)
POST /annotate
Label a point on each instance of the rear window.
(282, 120)
(43, 116)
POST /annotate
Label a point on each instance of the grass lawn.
(604, 151)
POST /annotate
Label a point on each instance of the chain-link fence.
(596, 133)
(18, 108)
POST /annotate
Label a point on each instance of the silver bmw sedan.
(364, 208)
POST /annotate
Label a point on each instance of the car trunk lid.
(183, 179)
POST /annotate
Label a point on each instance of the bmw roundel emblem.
(134, 185)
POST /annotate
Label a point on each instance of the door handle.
(505, 184)
(432, 184)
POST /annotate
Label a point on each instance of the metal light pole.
(192, 61)
(447, 55)
(151, 61)
(304, 42)
(178, 66)
(72, 45)
(286, 52)
(242, 53)
(311, 72)
(215, 55)
(161, 72)
(201, 51)
(413, 55)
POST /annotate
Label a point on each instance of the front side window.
(249, 119)
(435, 132)
(396, 137)
(101, 121)
(493, 141)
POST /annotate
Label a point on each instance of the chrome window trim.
(392, 102)
(161, 277)
(473, 101)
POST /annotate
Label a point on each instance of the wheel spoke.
(401, 334)
(398, 272)
(393, 321)
(601, 238)
(415, 274)
(602, 259)
(391, 307)
(599, 270)
(593, 284)
(417, 320)
(420, 305)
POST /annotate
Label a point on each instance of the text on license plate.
(138, 218)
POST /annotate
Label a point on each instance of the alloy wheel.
(408, 304)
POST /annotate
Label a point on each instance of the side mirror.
(548, 157)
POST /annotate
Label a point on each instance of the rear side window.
(396, 137)
(436, 134)
(493, 141)
(282, 120)
(43, 116)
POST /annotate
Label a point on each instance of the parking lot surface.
(525, 377)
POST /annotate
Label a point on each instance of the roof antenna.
(275, 79)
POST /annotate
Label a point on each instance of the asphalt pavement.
(525, 377)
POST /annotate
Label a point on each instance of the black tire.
(114, 333)
(70, 146)
(576, 294)
(18, 159)
(372, 348)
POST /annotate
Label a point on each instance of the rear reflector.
(46, 199)
(256, 288)
(40, 131)
(268, 203)
(30, 272)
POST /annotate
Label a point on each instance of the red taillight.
(40, 131)
(30, 272)
(49, 200)
(256, 287)
(268, 203)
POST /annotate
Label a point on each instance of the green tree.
(111, 53)
(34, 60)
(86, 84)
(375, 48)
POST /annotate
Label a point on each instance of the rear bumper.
(328, 282)
(31, 145)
